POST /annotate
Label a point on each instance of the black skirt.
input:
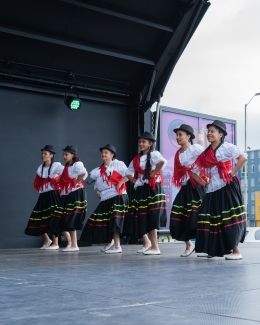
(70, 213)
(39, 220)
(105, 220)
(221, 222)
(184, 214)
(147, 210)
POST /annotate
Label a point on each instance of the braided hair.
(49, 170)
(190, 139)
(222, 140)
(148, 166)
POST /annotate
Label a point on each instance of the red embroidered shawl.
(138, 169)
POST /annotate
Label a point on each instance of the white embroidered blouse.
(56, 170)
(74, 171)
(108, 190)
(224, 153)
(156, 157)
(188, 157)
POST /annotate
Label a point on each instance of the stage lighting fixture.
(73, 103)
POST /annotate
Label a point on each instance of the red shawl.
(138, 169)
(208, 160)
(180, 172)
(41, 183)
(114, 179)
(66, 183)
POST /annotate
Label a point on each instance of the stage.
(89, 287)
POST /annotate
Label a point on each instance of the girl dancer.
(70, 213)
(107, 221)
(184, 214)
(148, 207)
(46, 184)
(222, 219)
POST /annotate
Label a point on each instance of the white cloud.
(219, 70)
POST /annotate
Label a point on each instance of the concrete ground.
(89, 287)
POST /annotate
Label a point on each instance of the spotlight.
(73, 103)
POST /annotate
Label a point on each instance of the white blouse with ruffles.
(108, 190)
(56, 170)
(74, 171)
(224, 153)
(188, 157)
(156, 157)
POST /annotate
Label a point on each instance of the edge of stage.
(90, 287)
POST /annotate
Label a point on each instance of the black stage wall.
(30, 120)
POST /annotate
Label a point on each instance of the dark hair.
(222, 140)
(75, 158)
(148, 166)
(190, 139)
(49, 170)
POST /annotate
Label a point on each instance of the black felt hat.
(148, 136)
(187, 128)
(49, 148)
(219, 124)
(71, 149)
(109, 147)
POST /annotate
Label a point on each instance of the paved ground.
(43, 287)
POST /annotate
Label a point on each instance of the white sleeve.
(80, 169)
(156, 157)
(232, 151)
(95, 173)
(57, 169)
(39, 170)
(121, 168)
(130, 170)
(197, 149)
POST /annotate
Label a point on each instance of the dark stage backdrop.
(29, 121)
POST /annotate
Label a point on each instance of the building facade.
(253, 170)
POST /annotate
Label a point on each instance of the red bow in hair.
(180, 172)
(138, 169)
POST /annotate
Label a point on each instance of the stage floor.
(89, 287)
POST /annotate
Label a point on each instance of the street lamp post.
(245, 180)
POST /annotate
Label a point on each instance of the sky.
(219, 71)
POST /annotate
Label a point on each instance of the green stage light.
(73, 103)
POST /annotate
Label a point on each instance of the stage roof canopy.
(116, 51)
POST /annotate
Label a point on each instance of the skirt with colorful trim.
(70, 213)
(184, 213)
(147, 210)
(221, 222)
(39, 220)
(105, 220)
